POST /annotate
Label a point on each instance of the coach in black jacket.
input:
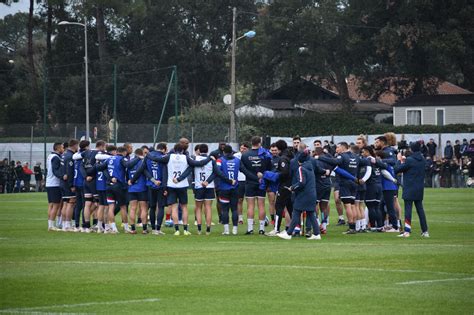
(413, 169)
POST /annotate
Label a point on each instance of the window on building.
(440, 117)
(414, 117)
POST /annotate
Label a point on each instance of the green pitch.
(55, 272)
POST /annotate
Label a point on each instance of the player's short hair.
(369, 149)
(196, 147)
(73, 142)
(145, 147)
(84, 144)
(122, 149)
(296, 138)
(65, 145)
(362, 138)
(318, 151)
(203, 148)
(391, 138)
(281, 145)
(100, 143)
(227, 149)
(178, 147)
(245, 144)
(110, 148)
(56, 146)
(161, 146)
(382, 139)
(139, 152)
(343, 144)
(355, 149)
(317, 141)
(273, 145)
(256, 140)
(127, 145)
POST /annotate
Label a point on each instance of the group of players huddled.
(147, 183)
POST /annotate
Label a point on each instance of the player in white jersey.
(53, 180)
(177, 161)
(204, 192)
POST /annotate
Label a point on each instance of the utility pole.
(232, 135)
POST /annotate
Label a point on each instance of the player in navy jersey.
(244, 147)
(177, 162)
(323, 189)
(67, 184)
(156, 186)
(227, 169)
(349, 162)
(389, 189)
(115, 170)
(101, 188)
(53, 179)
(257, 160)
(137, 194)
(204, 193)
(272, 187)
(216, 154)
(79, 182)
(364, 173)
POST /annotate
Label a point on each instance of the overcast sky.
(20, 6)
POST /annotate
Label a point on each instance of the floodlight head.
(63, 23)
(250, 34)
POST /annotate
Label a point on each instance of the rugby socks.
(234, 229)
(357, 225)
(145, 226)
(168, 217)
(262, 225)
(199, 227)
(352, 226)
(341, 217)
(226, 228)
(176, 227)
(250, 225)
(59, 220)
(133, 227)
(94, 221)
(50, 224)
(99, 224)
(241, 217)
(208, 229)
(125, 226)
(185, 227)
(272, 216)
(113, 226)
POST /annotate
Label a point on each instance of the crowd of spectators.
(16, 177)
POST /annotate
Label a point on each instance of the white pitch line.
(437, 280)
(305, 267)
(351, 244)
(26, 309)
(453, 222)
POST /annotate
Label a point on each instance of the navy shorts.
(140, 196)
(67, 194)
(157, 197)
(347, 192)
(241, 190)
(204, 194)
(89, 189)
(54, 194)
(337, 185)
(116, 194)
(360, 195)
(272, 187)
(323, 193)
(102, 197)
(252, 190)
(373, 193)
(177, 194)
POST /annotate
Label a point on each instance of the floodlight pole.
(232, 131)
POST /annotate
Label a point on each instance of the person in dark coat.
(304, 189)
(413, 169)
(448, 151)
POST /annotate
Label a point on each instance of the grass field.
(54, 272)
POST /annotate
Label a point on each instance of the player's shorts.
(337, 185)
(89, 189)
(241, 190)
(54, 194)
(102, 197)
(202, 194)
(373, 193)
(139, 196)
(116, 194)
(272, 187)
(347, 192)
(157, 197)
(253, 190)
(67, 194)
(228, 196)
(360, 195)
(177, 194)
(323, 193)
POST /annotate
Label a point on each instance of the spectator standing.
(27, 172)
(38, 177)
(431, 145)
(18, 173)
(424, 149)
(429, 172)
(436, 171)
(457, 150)
(11, 177)
(3, 175)
(464, 147)
(448, 151)
(446, 174)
